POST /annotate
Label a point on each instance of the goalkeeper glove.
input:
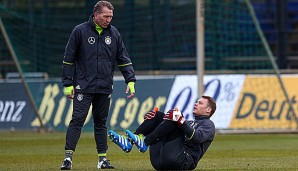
(151, 114)
(175, 115)
(130, 87)
(68, 91)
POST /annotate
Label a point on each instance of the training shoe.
(138, 140)
(104, 164)
(121, 141)
(66, 164)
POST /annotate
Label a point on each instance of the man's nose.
(109, 19)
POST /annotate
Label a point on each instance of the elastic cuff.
(102, 154)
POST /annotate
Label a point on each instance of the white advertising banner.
(224, 88)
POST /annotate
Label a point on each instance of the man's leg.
(173, 154)
(154, 154)
(173, 158)
(146, 128)
(153, 132)
(167, 149)
(80, 111)
(163, 129)
(149, 125)
(100, 110)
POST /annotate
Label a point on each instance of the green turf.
(45, 151)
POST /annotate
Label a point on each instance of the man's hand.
(151, 114)
(130, 88)
(69, 92)
(175, 115)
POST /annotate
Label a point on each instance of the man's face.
(201, 108)
(104, 18)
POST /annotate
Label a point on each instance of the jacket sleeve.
(69, 58)
(124, 62)
(201, 133)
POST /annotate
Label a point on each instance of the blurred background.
(249, 66)
(241, 37)
(160, 35)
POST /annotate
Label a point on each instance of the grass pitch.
(45, 151)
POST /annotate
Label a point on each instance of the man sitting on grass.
(174, 142)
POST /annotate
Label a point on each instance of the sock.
(68, 154)
(102, 156)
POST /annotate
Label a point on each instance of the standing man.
(93, 49)
(175, 144)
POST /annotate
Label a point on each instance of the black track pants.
(100, 108)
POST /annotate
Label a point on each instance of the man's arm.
(68, 64)
(201, 133)
(69, 58)
(125, 66)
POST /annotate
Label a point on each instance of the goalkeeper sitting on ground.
(175, 144)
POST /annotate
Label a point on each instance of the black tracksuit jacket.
(90, 59)
(202, 132)
(172, 148)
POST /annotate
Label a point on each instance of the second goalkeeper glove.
(175, 115)
(151, 114)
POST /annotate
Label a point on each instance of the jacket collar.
(201, 117)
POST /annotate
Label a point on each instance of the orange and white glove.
(151, 114)
(175, 115)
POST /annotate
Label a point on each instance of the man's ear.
(208, 110)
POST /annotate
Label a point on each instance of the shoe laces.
(67, 159)
(140, 139)
(104, 161)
